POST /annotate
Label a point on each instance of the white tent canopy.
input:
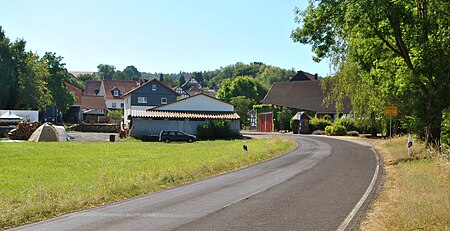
(49, 132)
(10, 117)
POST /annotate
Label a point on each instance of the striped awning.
(184, 114)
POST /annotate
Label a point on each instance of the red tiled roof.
(92, 102)
(184, 114)
(123, 85)
(77, 91)
(92, 86)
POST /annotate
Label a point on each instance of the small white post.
(410, 144)
(245, 148)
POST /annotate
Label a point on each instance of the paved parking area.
(92, 136)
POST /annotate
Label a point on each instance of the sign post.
(392, 110)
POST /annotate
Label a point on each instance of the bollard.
(245, 148)
(410, 144)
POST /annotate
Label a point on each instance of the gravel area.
(92, 136)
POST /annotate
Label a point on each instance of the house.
(185, 115)
(113, 90)
(92, 87)
(302, 76)
(303, 92)
(151, 94)
(193, 87)
(92, 107)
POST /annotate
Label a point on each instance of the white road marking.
(355, 209)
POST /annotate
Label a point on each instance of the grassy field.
(41, 180)
(416, 193)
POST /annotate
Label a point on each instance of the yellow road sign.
(390, 110)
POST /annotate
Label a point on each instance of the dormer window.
(116, 92)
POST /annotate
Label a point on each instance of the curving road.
(324, 184)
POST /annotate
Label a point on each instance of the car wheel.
(167, 140)
(189, 140)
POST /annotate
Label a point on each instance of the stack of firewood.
(23, 130)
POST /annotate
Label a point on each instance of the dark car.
(176, 135)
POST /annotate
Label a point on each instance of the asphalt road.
(314, 187)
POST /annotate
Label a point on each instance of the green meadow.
(42, 180)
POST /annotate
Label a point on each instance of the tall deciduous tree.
(8, 69)
(242, 106)
(32, 88)
(242, 86)
(106, 71)
(132, 72)
(56, 81)
(410, 38)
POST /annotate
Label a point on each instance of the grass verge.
(416, 191)
(42, 180)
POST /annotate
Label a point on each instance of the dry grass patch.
(416, 192)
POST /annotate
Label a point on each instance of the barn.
(185, 115)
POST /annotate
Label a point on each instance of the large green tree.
(32, 83)
(8, 69)
(242, 86)
(132, 72)
(407, 39)
(106, 71)
(56, 82)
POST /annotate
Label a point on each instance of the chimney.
(316, 76)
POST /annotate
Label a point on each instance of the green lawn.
(41, 180)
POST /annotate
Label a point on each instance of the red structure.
(265, 122)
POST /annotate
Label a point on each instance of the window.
(116, 92)
(163, 100)
(142, 99)
(153, 87)
(113, 105)
(121, 105)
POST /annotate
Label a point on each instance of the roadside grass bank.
(43, 180)
(416, 191)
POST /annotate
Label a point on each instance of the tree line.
(29, 81)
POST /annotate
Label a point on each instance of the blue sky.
(161, 36)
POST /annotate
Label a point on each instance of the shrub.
(353, 133)
(328, 117)
(348, 123)
(319, 132)
(339, 130)
(215, 130)
(329, 130)
(318, 124)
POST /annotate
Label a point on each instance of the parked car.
(176, 135)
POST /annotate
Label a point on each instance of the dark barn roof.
(302, 95)
(302, 76)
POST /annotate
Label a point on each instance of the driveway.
(92, 136)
